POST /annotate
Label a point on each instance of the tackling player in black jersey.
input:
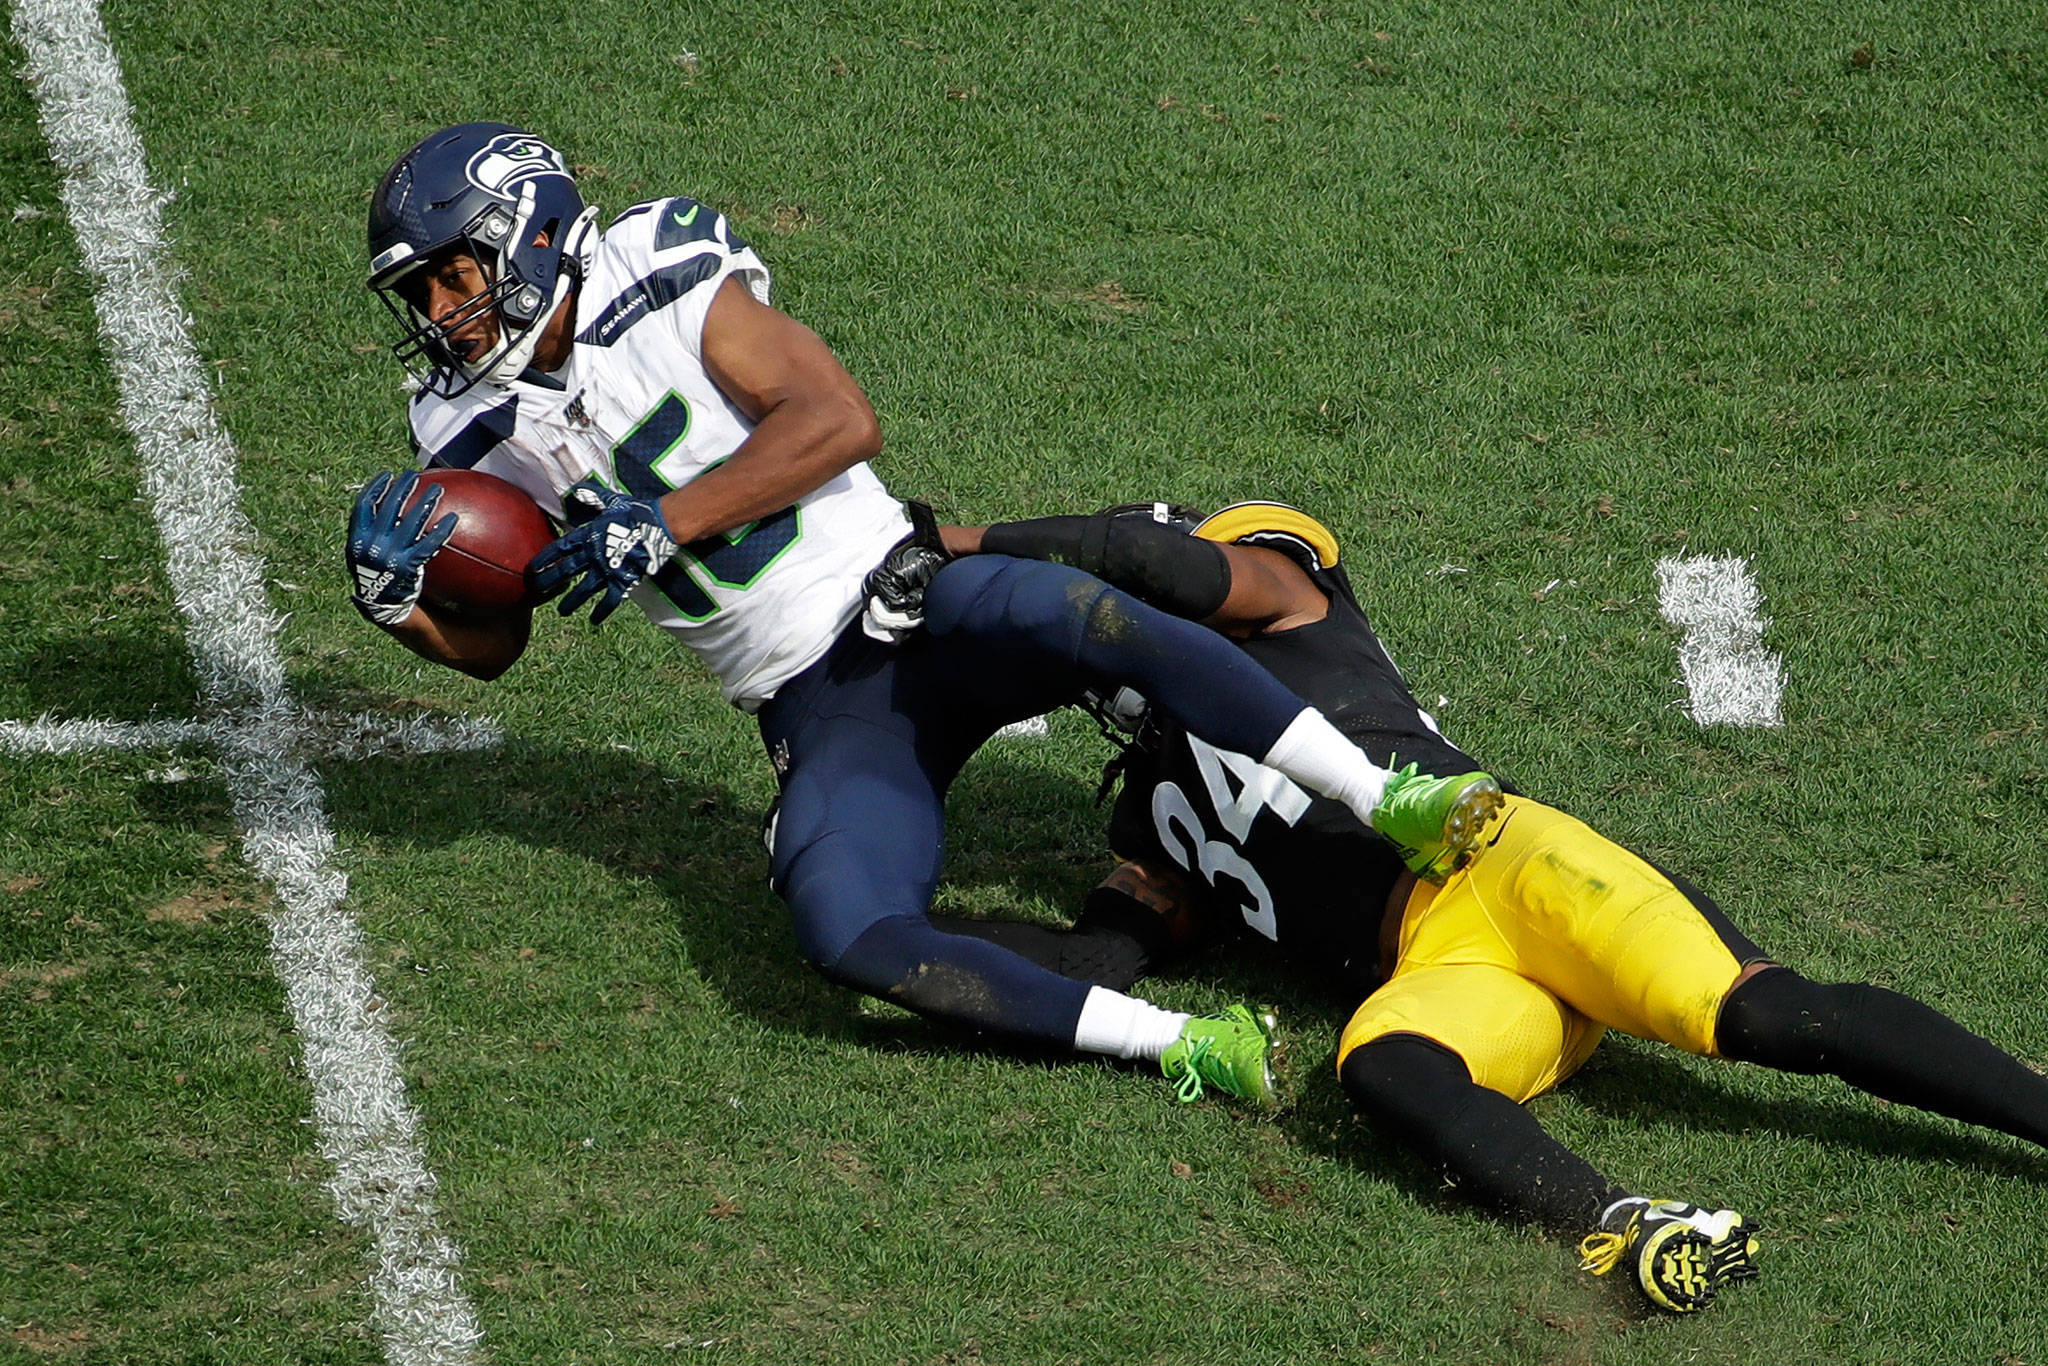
(1490, 987)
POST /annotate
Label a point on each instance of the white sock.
(1124, 1026)
(1315, 754)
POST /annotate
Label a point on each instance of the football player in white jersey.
(622, 366)
(710, 455)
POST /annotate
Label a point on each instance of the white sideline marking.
(361, 736)
(1030, 728)
(1732, 678)
(366, 1127)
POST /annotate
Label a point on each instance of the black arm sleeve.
(1169, 569)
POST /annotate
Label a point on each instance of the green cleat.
(1681, 1254)
(1227, 1050)
(1436, 823)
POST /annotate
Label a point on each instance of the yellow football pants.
(1551, 936)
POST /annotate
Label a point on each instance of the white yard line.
(367, 1129)
(1733, 680)
(336, 736)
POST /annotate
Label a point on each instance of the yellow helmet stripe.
(1242, 520)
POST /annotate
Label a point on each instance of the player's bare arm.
(1265, 592)
(1268, 592)
(812, 422)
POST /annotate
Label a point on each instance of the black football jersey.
(1295, 868)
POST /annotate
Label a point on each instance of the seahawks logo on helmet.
(510, 160)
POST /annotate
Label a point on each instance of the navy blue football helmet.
(507, 198)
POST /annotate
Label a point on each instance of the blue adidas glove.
(389, 546)
(620, 541)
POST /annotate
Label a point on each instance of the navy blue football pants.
(867, 740)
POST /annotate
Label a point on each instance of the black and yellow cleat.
(1681, 1254)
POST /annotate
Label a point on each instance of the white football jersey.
(635, 410)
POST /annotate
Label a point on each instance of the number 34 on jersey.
(1236, 789)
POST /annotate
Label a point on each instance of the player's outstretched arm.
(1240, 590)
(812, 422)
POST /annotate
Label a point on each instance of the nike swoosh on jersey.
(684, 220)
(1500, 829)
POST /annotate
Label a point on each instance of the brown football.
(482, 568)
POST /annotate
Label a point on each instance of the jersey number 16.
(731, 560)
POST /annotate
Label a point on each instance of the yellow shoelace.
(1600, 1253)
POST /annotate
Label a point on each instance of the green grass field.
(1541, 292)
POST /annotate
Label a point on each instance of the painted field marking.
(366, 1127)
(1731, 678)
(331, 735)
